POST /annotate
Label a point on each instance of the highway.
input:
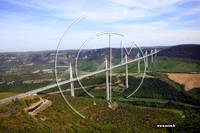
(68, 81)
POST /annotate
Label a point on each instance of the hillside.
(177, 65)
(164, 64)
(191, 51)
(158, 97)
(152, 91)
(28, 62)
(99, 118)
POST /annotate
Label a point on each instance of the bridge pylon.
(152, 55)
(156, 54)
(138, 56)
(126, 72)
(146, 53)
(71, 82)
(107, 84)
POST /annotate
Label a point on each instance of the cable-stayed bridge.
(71, 80)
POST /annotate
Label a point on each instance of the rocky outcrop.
(10, 83)
(41, 80)
(2, 82)
(36, 81)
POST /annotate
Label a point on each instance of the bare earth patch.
(33, 105)
(124, 74)
(189, 80)
(49, 103)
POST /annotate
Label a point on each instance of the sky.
(36, 25)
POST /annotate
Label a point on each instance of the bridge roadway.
(68, 81)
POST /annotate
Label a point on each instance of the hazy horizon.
(89, 49)
(83, 49)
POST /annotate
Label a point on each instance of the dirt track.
(6, 93)
(189, 80)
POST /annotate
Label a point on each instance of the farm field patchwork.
(189, 80)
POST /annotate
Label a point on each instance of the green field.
(121, 99)
(7, 95)
(171, 65)
(163, 64)
(89, 66)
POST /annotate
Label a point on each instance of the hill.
(167, 97)
(151, 92)
(164, 64)
(174, 64)
(28, 62)
(99, 118)
(191, 51)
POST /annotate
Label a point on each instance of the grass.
(172, 110)
(121, 99)
(163, 64)
(26, 76)
(7, 95)
(176, 111)
(171, 65)
(89, 66)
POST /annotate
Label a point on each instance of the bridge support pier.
(126, 72)
(121, 53)
(156, 54)
(107, 84)
(138, 56)
(71, 83)
(146, 53)
(152, 55)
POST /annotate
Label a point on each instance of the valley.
(170, 88)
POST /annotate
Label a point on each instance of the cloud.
(110, 11)
(40, 24)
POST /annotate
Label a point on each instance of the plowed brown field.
(189, 80)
